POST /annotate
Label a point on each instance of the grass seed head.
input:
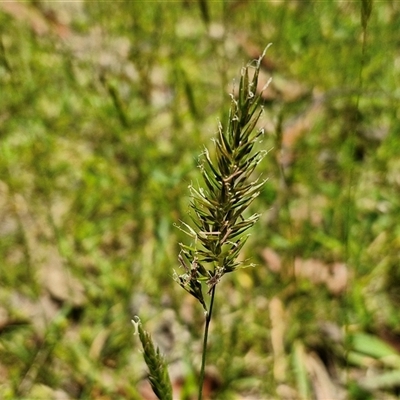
(217, 208)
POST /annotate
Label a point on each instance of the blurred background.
(104, 110)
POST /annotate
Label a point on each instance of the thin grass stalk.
(205, 340)
(366, 10)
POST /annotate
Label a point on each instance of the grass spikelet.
(158, 371)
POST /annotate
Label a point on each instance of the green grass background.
(104, 109)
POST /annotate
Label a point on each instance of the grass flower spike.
(219, 227)
(158, 371)
(217, 208)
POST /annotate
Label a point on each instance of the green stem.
(205, 339)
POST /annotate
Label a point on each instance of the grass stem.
(205, 339)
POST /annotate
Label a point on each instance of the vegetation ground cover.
(104, 109)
